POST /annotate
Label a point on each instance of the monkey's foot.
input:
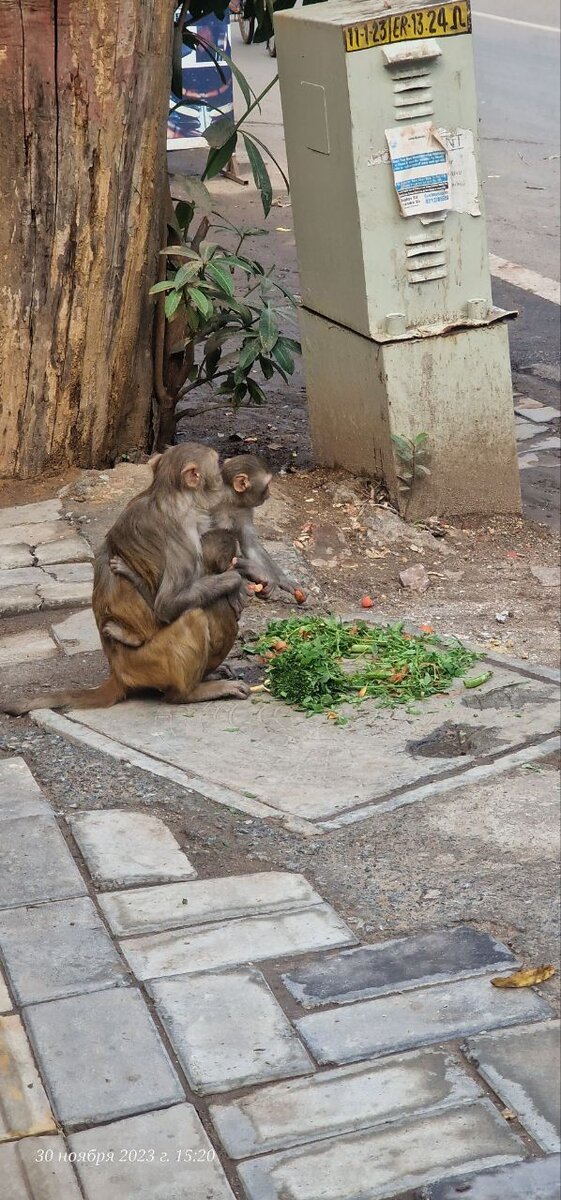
(117, 634)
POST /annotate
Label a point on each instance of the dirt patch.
(454, 741)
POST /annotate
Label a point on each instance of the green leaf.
(403, 447)
(167, 285)
(180, 251)
(421, 470)
(420, 439)
(249, 353)
(220, 132)
(200, 301)
(266, 367)
(191, 190)
(189, 271)
(222, 279)
(257, 394)
(273, 159)
(219, 158)
(292, 344)
(260, 173)
(283, 357)
(242, 310)
(268, 329)
(172, 302)
(184, 214)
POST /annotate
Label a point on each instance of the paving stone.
(101, 1056)
(21, 577)
(53, 950)
(126, 847)
(72, 549)
(15, 556)
(32, 534)
(548, 576)
(27, 514)
(544, 413)
(523, 1067)
(416, 1018)
(27, 1176)
(20, 796)
(233, 943)
(341, 1101)
(379, 1163)
(397, 966)
(206, 901)
(184, 1165)
(77, 634)
(63, 594)
(5, 1002)
(538, 1180)
(19, 600)
(525, 430)
(525, 461)
(31, 646)
(228, 1030)
(35, 863)
(70, 572)
(24, 1108)
(551, 443)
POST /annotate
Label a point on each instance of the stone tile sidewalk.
(167, 1037)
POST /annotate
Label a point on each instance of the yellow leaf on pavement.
(527, 977)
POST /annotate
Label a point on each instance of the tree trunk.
(84, 87)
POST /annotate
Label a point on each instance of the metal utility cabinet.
(399, 331)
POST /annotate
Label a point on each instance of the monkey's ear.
(240, 483)
(153, 462)
(191, 475)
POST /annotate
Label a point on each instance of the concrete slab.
(35, 534)
(35, 863)
(70, 572)
(24, 1108)
(537, 415)
(101, 1056)
(340, 769)
(228, 1030)
(397, 966)
(551, 443)
(64, 594)
(233, 943)
(53, 950)
(341, 1101)
(416, 1018)
(72, 549)
(123, 848)
(19, 600)
(526, 429)
(523, 1067)
(379, 1163)
(15, 556)
(20, 796)
(539, 1180)
(21, 577)
(5, 1002)
(206, 900)
(31, 646)
(36, 1169)
(547, 576)
(168, 1157)
(28, 514)
(77, 634)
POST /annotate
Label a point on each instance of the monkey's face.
(251, 488)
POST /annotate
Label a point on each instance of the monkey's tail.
(104, 696)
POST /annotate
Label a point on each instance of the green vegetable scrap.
(316, 663)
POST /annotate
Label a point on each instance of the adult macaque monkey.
(159, 536)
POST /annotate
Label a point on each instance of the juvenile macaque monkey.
(159, 536)
(247, 480)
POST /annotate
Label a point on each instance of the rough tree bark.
(83, 97)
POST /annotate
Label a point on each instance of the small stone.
(123, 847)
(537, 415)
(416, 578)
(24, 1107)
(20, 796)
(538, 1180)
(19, 600)
(385, 1162)
(416, 1018)
(70, 572)
(341, 1101)
(185, 1165)
(231, 943)
(523, 403)
(72, 549)
(35, 535)
(37, 1169)
(101, 1056)
(77, 634)
(547, 576)
(62, 595)
(27, 514)
(15, 556)
(523, 1067)
(35, 863)
(31, 646)
(228, 1030)
(432, 894)
(52, 950)
(21, 577)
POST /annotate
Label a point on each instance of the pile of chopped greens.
(317, 663)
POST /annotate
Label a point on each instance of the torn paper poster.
(464, 186)
(421, 168)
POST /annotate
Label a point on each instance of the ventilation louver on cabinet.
(413, 95)
(426, 256)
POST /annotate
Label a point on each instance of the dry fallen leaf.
(399, 675)
(363, 691)
(426, 628)
(527, 977)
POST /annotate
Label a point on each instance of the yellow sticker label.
(441, 20)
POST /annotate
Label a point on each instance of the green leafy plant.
(317, 663)
(412, 454)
